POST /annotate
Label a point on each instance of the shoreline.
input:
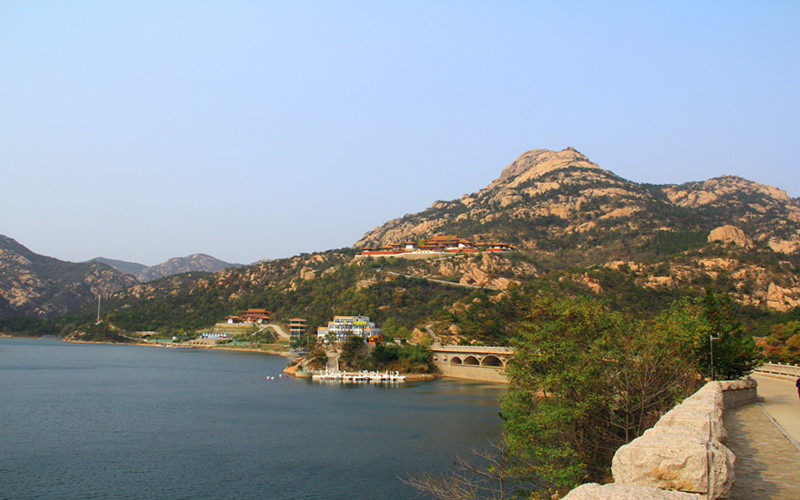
(410, 377)
(165, 346)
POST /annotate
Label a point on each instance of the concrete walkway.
(781, 402)
(767, 461)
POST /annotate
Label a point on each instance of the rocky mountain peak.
(537, 162)
(569, 211)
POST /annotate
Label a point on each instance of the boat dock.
(358, 377)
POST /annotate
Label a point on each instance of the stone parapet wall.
(683, 455)
(780, 370)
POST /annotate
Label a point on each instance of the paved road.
(441, 282)
(781, 402)
(767, 461)
(280, 331)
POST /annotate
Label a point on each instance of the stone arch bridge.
(472, 362)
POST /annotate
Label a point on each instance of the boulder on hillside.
(731, 234)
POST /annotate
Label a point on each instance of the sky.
(249, 130)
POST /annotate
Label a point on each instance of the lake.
(115, 421)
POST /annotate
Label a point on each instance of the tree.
(584, 381)
(349, 352)
(702, 324)
(485, 474)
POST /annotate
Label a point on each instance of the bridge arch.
(492, 360)
(487, 363)
(471, 360)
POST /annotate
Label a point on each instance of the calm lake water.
(98, 421)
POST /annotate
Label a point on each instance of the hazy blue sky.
(251, 130)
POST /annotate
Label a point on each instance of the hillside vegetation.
(578, 229)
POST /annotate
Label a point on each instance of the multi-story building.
(344, 326)
(297, 328)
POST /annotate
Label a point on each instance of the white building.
(344, 326)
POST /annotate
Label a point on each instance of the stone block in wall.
(739, 392)
(710, 394)
(594, 491)
(701, 419)
(675, 458)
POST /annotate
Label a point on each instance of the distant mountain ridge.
(175, 265)
(122, 266)
(38, 286)
(33, 285)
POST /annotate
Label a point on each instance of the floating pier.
(359, 377)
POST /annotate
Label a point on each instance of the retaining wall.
(683, 455)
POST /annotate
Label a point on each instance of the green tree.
(349, 352)
(584, 381)
(384, 354)
(702, 324)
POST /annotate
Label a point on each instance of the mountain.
(569, 211)
(564, 211)
(33, 285)
(177, 265)
(122, 266)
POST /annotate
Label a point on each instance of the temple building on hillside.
(343, 327)
(447, 244)
(250, 316)
(437, 245)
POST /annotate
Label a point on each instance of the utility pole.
(711, 339)
(98, 309)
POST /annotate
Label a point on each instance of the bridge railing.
(779, 369)
(472, 349)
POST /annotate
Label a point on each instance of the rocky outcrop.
(782, 299)
(784, 246)
(485, 270)
(730, 234)
(756, 283)
(693, 194)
